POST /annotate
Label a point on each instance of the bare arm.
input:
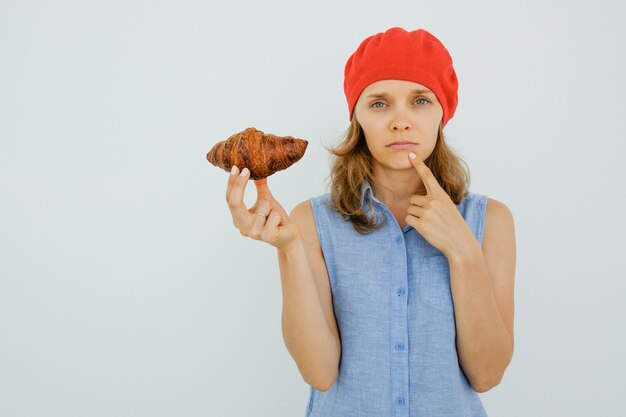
(482, 283)
(308, 320)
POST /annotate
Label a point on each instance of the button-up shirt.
(395, 314)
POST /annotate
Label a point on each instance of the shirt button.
(399, 346)
(400, 291)
(398, 239)
(400, 400)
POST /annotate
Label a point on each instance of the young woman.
(398, 284)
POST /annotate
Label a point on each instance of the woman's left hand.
(435, 216)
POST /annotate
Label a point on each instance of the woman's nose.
(401, 126)
(400, 123)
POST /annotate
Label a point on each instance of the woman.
(398, 284)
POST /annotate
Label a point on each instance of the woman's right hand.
(274, 228)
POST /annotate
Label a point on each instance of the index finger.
(234, 171)
(236, 189)
(430, 182)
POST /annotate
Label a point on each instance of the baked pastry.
(262, 153)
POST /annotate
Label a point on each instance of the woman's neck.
(395, 188)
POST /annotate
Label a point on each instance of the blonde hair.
(351, 165)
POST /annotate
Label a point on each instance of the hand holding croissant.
(260, 155)
(266, 220)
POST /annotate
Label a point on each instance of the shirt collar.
(366, 191)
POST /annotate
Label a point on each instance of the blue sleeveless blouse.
(393, 305)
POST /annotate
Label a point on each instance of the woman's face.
(397, 110)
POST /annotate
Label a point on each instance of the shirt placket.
(399, 328)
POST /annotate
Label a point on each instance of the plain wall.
(125, 290)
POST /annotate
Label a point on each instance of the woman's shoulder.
(314, 213)
(303, 217)
(473, 198)
(320, 199)
(305, 209)
(483, 202)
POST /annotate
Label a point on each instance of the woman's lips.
(402, 145)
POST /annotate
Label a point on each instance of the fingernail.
(244, 172)
(411, 155)
(233, 170)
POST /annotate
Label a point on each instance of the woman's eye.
(376, 105)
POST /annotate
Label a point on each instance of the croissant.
(262, 153)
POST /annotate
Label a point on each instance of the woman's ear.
(354, 115)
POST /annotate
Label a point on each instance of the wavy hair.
(351, 165)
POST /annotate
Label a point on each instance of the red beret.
(397, 54)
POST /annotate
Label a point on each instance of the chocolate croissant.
(262, 153)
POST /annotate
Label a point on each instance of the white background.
(125, 290)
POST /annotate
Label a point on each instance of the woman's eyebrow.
(385, 94)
